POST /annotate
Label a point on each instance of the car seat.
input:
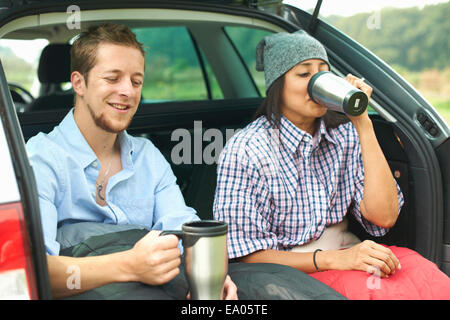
(53, 70)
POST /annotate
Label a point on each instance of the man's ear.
(78, 83)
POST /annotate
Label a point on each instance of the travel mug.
(337, 94)
(206, 257)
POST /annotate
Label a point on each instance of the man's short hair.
(84, 49)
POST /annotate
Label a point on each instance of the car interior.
(240, 94)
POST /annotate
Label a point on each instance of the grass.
(434, 85)
(443, 107)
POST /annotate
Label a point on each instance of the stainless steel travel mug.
(206, 257)
(337, 94)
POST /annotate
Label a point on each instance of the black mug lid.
(355, 102)
(206, 228)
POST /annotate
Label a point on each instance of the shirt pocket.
(138, 211)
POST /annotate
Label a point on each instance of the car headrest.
(54, 64)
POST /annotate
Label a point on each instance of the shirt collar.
(323, 132)
(78, 145)
(291, 136)
(126, 146)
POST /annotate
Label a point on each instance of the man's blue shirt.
(143, 193)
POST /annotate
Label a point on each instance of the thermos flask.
(337, 94)
(206, 258)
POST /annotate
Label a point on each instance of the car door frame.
(27, 188)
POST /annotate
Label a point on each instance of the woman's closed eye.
(304, 75)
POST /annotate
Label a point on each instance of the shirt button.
(95, 163)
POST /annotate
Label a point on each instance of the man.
(88, 169)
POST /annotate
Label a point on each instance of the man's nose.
(126, 88)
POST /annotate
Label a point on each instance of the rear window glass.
(175, 67)
(245, 40)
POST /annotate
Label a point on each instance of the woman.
(287, 180)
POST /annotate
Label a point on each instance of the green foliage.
(443, 107)
(411, 38)
(172, 67)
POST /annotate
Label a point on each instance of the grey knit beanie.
(278, 53)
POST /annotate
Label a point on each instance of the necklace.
(100, 185)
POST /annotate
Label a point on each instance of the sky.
(351, 7)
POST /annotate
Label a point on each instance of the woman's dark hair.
(270, 108)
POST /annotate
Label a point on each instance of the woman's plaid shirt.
(280, 188)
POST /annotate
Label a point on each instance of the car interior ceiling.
(198, 181)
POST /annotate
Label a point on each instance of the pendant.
(99, 189)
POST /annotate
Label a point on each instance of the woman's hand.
(359, 84)
(364, 87)
(229, 291)
(370, 257)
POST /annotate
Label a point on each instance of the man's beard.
(103, 122)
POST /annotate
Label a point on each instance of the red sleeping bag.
(418, 279)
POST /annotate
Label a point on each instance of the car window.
(175, 67)
(20, 60)
(216, 92)
(245, 40)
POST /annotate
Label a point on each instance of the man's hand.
(154, 260)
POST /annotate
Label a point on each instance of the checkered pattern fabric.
(280, 188)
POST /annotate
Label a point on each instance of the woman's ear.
(78, 83)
